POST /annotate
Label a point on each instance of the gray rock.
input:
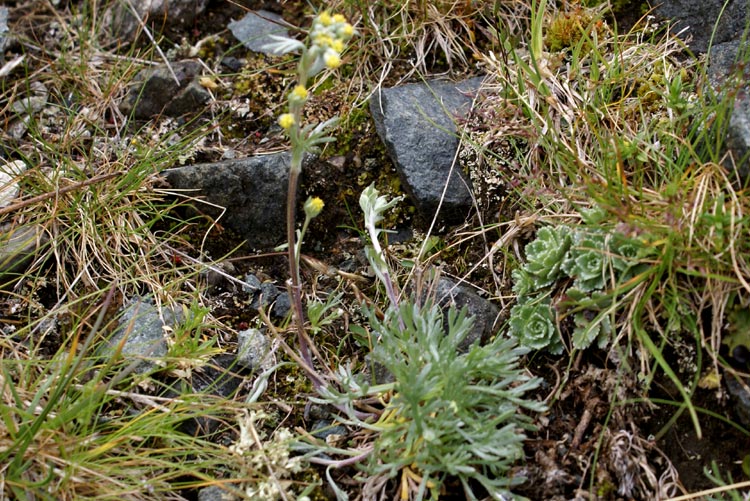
(254, 29)
(214, 493)
(24, 108)
(121, 22)
(700, 17)
(188, 100)
(415, 122)
(155, 91)
(3, 30)
(252, 348)
(10, 173)
(282, 305)
(18, 247)
(266, 295)
(219, 276)
(324, 428)
(485, 314)
(221, 377)
(140, 333)
(252, 284)
(722, 65)
(741, 398)
(253, 191)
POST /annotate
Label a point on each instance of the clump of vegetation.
(447, 416)
(585, 270)
(568, 29)
(611, 147)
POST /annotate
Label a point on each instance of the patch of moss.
(567, 29)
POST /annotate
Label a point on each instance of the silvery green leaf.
(283, 45)
(373, 205)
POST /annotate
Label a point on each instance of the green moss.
(567, 29)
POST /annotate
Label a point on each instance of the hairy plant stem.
(294, 285)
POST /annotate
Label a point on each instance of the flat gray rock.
(252, 190)
(124, 19)
(140, 334)
(458, 296)
(18, 247)
(155, 91)
(254, 29)
(723, 64)
(700, 17)
(416, 124)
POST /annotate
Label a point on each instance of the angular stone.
(155, 91)
(723, 64)
(485, 313)
(741, 397)
(415, 122)
(9, 176)
(254, 29)
(3, 31)
(189, 100)
(252, 348)
(18, 247)
(140, 335)
(701, 16)
(252, 190)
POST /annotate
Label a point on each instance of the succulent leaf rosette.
(546, 253)
(533, 324)
(587, 262)
(523, 282)
(628, 256)
(593, 260)
(593, 322)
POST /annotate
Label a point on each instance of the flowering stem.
(328, 36)
(296, 288)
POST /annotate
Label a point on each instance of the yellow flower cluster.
(329, 35)
(286, 121)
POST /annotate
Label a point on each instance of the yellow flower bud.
(299, 93)
(347, 30)
(286, 121)
(325, 18)
(338, 45)
(313, 206)
(338, 18)
(323, 40)
(332, 59)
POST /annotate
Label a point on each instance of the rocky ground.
(198, 118)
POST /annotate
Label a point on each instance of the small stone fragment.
(18, 247)
(140, 334)
(252, 348)
(156, 91)
(254, 29)
(9, 175)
